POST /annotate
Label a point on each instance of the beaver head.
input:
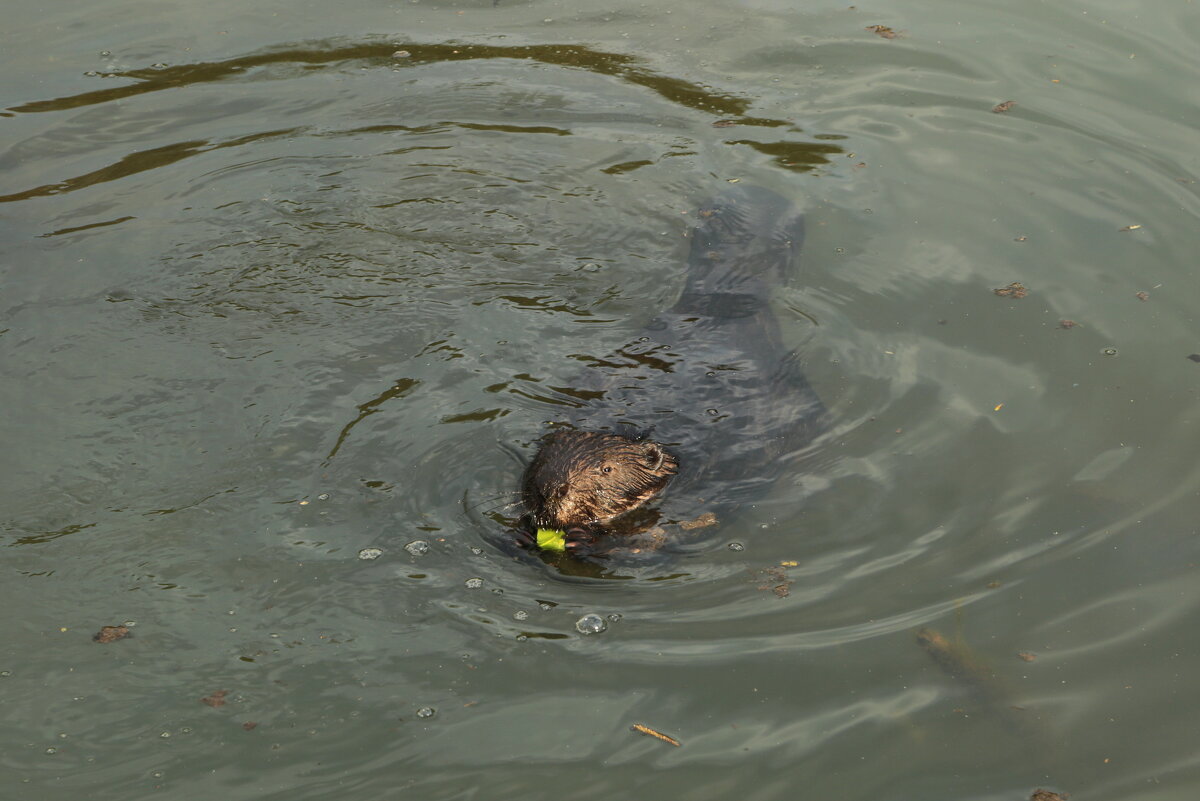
(580, 479)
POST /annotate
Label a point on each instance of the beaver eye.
(606, 469)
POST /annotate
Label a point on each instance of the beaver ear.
(655, 456)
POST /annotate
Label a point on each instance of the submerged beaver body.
(704, 404)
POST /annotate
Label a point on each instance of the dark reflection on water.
(139, 162)
(296, 61)
(283, 64)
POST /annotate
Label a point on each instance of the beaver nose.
(551, 507)
(552, 500)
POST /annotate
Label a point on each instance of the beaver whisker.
(486, 504)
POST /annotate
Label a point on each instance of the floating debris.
(703, 521)
(1014, 290)
(216, 699)
(1047, 795)
(1028, 656)
(882, 30)
(1067, 324)
(108, 634)
(777, 581)
(1000, 108)
(1130, 228)
(1143, 296)
(250, 725)
(640, 729)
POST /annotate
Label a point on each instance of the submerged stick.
(657, 734)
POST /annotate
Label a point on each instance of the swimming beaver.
(707, 398)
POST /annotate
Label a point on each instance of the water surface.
(284, 283)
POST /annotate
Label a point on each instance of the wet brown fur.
(585, 478)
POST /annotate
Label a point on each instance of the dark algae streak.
(699, 413)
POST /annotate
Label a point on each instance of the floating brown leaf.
(1013, 290)
(108, 634)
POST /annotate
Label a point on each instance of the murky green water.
(274, 294)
